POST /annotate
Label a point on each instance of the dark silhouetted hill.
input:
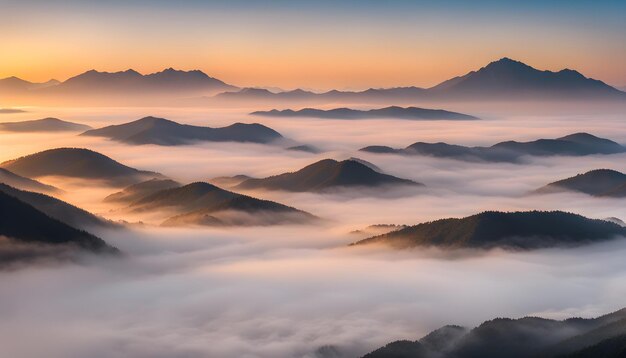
(24, 223)
(77, 163)
(326, 174)
(609, 348)
(152, 130)
(578, 144)
(58, 209)
(528, 337)
(205, 204)
(43, 125)
(512, 230)
(599, 182)
(394, 112)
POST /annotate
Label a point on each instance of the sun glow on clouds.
(285, 291)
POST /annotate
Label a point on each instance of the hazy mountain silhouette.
(77, 163)
(132, 82)
(23, 183)
(528, 337)
(512, 230)
(205, 204)
(22, 222)
(15, 84)
(304, 148)
(395, 112)
(264, 94)
(609, 348)
(599, 182)
(229, 182)
(578, 144)
(152, 130)
(11, 110)
(58, 209)
(326, 174)
(137, 191)
(507, 78)
(332, 96)
(43, 125)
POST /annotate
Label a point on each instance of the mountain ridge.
(78, 163)
(28, 225)
(526, 337)
(48, 124)
(520, 230)
(576, 144)
(597, 182)
(161, 131)
(396, 112)
(201, 203)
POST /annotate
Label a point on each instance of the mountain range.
(117, 85)
(43, 125)
(324, 175)
(501, 80)
(527, 337)
(599, 182)
(577, 144)
(160, 131)
(504, 79)
(77, 163)
(511, 230)
(206, 204)
(394, 112)
(17, 85)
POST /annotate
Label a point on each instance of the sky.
(313, 45)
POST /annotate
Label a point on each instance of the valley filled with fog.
(299, 290)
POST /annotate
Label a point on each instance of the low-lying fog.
(285, 291)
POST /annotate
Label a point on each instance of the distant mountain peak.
(255, 90)
(326, 174)
(132, 72)
(153, 120)
(579, 135)
(170, 71)
(516, 80)
(506, 64)
(14, 78)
